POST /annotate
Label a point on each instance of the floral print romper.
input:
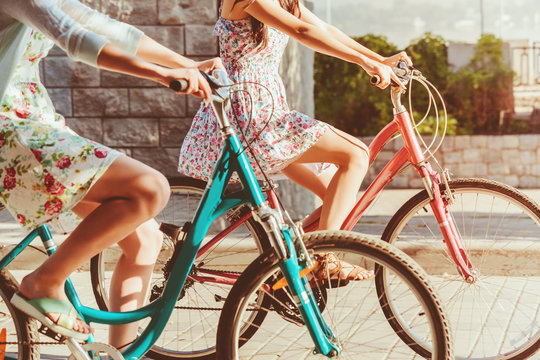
(45, 167)
(276, 142)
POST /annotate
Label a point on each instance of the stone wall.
(512, 159)
(139, 117)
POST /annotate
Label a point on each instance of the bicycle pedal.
(52, 334)
(171, 230)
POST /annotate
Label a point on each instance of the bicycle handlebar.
(217, 81)
(402, 70)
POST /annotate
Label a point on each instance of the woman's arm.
(314, 37)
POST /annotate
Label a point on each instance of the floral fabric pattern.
(45, 167)
(278, 136)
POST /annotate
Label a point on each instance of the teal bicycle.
(289, 305)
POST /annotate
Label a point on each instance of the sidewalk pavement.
(386, 206)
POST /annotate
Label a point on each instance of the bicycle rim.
(191, 330)
(497, 316)
(352, 310)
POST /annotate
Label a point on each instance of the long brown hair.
(260, 30)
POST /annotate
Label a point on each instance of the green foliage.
(429, 124)
(343, 95)
(475, 95)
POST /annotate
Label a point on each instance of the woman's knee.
(151, 191)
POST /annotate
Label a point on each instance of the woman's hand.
(384, 72)
(208, 65)
(198, 85)
(395, 59)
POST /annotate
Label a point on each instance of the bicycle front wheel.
(498, 315)
(350, 308)
(191, 330)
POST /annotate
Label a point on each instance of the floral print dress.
(277, 141)
(45, 167)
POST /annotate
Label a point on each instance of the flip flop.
(37, 308)
(332, 272)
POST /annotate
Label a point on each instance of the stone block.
(510, 156)
(156, 102)
(165, 160)
(100, 102)
(63, 72)
(528, 182)
(462, 142)
(135, 12)
(90, 128)
(527, 157)
(498, 169)
(474, 155)
(177, 12)
(448, 144)
(200, 41)
(480, 141)
(495, 142)
(193, 104)
(528, 142)
(138, 132)
(385, 156)
(518, 169)
(415, 183)
(466, 170)
(61, 99)
(481, 170)
(493, 156)
(452, 157)
(512, 180)
(401, 182)
(535, 170)
(510, 142)
(112, 79)
(173, 130)
(169, 36)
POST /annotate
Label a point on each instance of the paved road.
(527, 294)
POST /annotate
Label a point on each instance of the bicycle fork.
(290, 265)
(439, 206)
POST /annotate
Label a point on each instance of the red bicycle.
(463, 231)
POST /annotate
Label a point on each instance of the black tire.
(355, 301)
(497, 316)
(249, 240)
(20, 328)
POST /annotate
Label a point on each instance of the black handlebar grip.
(179, 85)
(375, 80)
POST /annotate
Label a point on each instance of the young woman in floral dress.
(253, 35)
(47, 170)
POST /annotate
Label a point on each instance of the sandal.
(331, 272)
(37, 308)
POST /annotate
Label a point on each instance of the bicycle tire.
(376, 340)
(494, 317)
(251, 243)
(20, 328)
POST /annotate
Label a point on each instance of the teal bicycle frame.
(213, 203)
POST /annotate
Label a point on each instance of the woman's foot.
(33, 288)
(329, 269)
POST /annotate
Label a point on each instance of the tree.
(343, 95)
(482, 90)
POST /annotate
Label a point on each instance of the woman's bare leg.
(132, 274)
(129, 194)
(351, 157)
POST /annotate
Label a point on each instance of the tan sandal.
(329, 271)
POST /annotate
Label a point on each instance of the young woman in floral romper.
(252, 36)
(47, 170)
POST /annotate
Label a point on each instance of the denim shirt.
(77, 29)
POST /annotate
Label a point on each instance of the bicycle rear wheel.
(191, 329)
(498, 315)
(352, 309)
(21, 331)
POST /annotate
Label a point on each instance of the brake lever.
(219, 83)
